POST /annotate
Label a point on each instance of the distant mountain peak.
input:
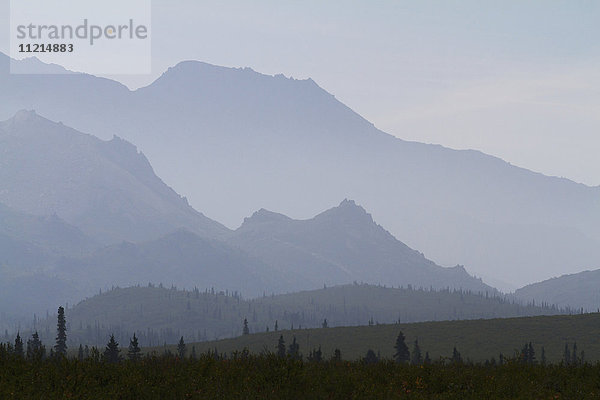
(192, 69)
(350, 204)
(25, 115)
(347, 211)
(263, 216)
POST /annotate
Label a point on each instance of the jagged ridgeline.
(160, 315)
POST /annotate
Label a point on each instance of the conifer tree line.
(218, 313)
(34, 350)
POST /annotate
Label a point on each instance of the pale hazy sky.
(516, 79)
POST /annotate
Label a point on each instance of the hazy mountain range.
(80, 214)
(234, 141)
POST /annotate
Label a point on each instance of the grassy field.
(476, 340)
(271, 377)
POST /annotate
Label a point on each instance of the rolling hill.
(577, 291)
(476, 340)
(161, 315)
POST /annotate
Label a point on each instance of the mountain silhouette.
(234, 141)
(342, 245)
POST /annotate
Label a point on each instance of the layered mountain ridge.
(235, 141)
(108, 190)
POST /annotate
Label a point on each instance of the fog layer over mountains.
(235, 141)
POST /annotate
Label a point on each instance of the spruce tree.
(316, 355)
(574, 360)
(133, 353)
(19, 351)
(281, 347)
(35, 348)
(294, 349)
(324, 324)
(456, 357)
(60, 349)
(246, 330)
(111, 353)
(337, 355)
(523, 354)
(402, 354)
(80, 355)
(276, 326)
(193, 354)
(181, 348)
(531, 354)
(416, 354)
(371, 357)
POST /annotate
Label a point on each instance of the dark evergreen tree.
(193, 355)
(111, 353)
(402, 354)
(80, 354)
(276, 326)
(574, 360)
(527, 355)
(316, 355)
(281, 347)
(456, 357)
(246, 330)
(371, 357)
(294, 349)
(181, 348)
(416, 354)
(337, 355)
(60, 349)
(531, 354)
(19, 351)
(134, 351)
(35, 348)
(324, 324)
(95, 354)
